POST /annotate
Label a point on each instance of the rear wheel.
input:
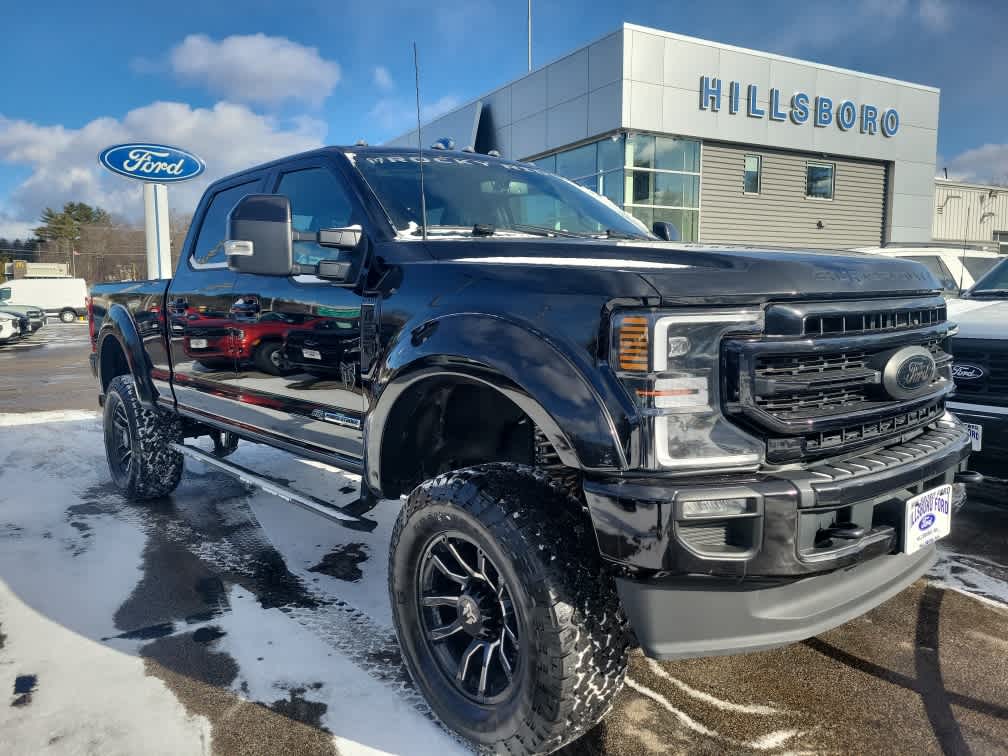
(138, 443)
(507, 620)
(68, 315)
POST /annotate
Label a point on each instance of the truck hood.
(691, 274)
(979, 318)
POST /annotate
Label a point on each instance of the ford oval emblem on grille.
(908, 372)
(963, 371)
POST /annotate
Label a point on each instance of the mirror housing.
(259, 238)
(665, 230)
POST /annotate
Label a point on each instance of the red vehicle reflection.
(221, 342)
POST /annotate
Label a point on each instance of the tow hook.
(962, 479)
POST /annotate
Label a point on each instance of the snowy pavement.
(223, 620)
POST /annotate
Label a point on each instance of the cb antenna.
(419, 138)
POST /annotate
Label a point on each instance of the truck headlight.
(670, 363)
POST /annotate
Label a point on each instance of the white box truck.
(61, 297)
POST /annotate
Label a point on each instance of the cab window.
(318, 200)
(210, 241)
(938, 269)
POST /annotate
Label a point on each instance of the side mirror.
(259, 238)
(665, 230)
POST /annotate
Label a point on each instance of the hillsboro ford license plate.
(976, 435)
(311, 354)
(197, 343)
(928, 518)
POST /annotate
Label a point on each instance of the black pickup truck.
(603, 438)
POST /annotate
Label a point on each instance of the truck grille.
(989, 384)
(823, 392)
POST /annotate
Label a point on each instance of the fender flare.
(513, 359)
(119, 325)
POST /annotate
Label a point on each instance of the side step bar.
(329, 511)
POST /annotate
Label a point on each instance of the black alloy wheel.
(119, 442)
(469, 618)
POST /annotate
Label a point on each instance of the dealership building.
(730, 145)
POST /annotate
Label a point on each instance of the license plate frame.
(927, 518)
(311, 354)
(198, 343)
(975, 431)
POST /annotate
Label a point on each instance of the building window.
(819, 180)
(751, 177)
(663, 182)
(1001, 237)
(597, 166)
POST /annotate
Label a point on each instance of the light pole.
(530, 36)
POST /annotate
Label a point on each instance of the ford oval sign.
(157, 163)
(963, 371)
(909, 371)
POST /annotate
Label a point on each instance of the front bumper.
(818, 545)
(675, 618)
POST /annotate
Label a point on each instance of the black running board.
(319, 507)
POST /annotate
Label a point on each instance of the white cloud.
(64, 166)
(394, 115)
(11, 229)
(985, 164)
(383, 79)
(934, 14)
(255, 68)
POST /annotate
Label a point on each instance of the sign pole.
(158, 233)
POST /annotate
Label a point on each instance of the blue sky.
(244, 82)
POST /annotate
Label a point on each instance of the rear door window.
(209, 247)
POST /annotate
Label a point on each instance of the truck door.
(200, 309)
(300, 336)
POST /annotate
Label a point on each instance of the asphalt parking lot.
(224, 621)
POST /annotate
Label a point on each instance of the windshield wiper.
(611, 233)
(994, 292)
(541, 230)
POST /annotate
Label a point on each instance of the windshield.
(995, 283)
(463, 192)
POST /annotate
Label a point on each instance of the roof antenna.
(423, 196)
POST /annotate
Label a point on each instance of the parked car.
(595, 430)
(980, 370)
(10, 328)
(36, 317)
(330, 348)
(245, 338)
(955, 268)
(61, 297)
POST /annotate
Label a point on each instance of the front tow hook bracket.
(846, 531)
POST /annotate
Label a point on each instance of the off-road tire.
(155, 468)
(68, 316)
(544, 548)
(262, 357)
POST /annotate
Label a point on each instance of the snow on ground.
(75, 695)
(91, 586)
(981, 578)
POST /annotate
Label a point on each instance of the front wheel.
(269, 358)
(68, 316)
(507, 621)
(138, 443)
